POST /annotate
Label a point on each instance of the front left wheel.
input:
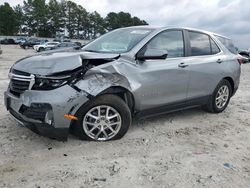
(107, 117)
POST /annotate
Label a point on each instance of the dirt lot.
(184, 149)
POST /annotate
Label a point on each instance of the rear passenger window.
(199, 43)
(214, 48)
(172, 41)
(228, 44)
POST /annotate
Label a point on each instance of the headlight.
(53, 82)
(49, 83)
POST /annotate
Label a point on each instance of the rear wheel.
(220, 98)
(107, 117)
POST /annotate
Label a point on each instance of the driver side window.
(172, 41)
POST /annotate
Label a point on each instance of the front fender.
(97, 82)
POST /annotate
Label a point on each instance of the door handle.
(182, 65)
(219, 61)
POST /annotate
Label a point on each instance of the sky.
(227, 17)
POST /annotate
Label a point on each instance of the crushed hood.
(54, 62)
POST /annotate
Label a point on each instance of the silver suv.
(129, 72)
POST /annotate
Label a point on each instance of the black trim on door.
(172, 107)
(187, 42)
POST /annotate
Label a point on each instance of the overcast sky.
(227, 17)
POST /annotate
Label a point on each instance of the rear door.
(205, 65)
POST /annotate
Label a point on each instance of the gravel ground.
(185, 149)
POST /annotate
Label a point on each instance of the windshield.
(118, 41)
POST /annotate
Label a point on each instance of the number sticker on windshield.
(142, 32)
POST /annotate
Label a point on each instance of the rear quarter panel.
(206, 73)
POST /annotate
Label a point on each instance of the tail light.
(240, 60)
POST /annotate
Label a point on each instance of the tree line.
(53, 18)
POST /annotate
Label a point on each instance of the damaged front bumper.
(43, 129)
(43, 111)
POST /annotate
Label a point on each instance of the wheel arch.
(119, 91)
(123, 93)
(231, 81)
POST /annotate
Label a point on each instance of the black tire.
(41, 49)
(211, 106)
(108, 99)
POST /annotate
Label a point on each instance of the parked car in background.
(1, 51)
(45, 46)
(64, 45)
(57, 40)
(79, 44)
(61, 40)
(66, 40)
(31, 42)
(8, 41)
(129, 72)
(246, 56)
(20, 40)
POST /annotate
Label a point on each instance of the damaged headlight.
(49, 83)
(56, 81)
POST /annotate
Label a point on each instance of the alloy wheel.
(222, 96)
(102, 122)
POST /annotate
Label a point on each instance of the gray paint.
(153, 83)
(55, 62)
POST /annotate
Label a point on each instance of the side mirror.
(152, 54)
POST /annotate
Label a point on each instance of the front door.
(163, 81)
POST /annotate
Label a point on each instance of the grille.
(33, 113)
(36, 111)
(20, 82)
(16, 115)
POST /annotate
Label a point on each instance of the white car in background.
(45, 46)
